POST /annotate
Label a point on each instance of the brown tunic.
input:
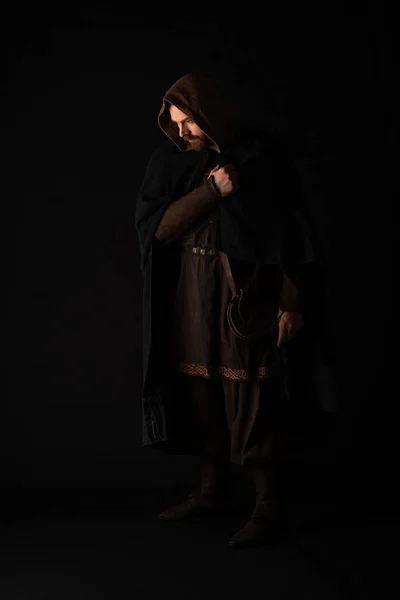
(232, 397)
(204, 344)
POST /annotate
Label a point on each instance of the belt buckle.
(203, 251)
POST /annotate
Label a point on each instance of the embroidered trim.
(226, 372)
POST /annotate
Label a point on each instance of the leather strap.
(227, 267)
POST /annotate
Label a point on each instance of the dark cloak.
(263, 222)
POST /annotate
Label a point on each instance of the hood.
(203, 101)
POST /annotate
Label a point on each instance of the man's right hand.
(226, 179)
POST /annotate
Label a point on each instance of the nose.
(183, 130)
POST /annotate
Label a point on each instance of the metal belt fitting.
(203, 251)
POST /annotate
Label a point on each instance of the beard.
(197, 143)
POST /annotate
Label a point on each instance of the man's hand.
(289, 325)
(225, 179)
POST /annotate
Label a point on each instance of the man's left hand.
(289, 325)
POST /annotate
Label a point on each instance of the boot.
(264, 520)
(210, 497)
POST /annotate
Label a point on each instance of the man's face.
(188, 130)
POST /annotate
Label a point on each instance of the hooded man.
(222, 239)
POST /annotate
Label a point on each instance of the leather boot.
(210, 497)
(263, 523)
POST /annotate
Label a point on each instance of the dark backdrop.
(81, 90)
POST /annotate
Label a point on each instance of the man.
(222, 240)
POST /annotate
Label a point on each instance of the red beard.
(196, 143)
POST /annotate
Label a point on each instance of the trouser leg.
(259, 441)
(210, 436)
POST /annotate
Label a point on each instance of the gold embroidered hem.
(228, 373)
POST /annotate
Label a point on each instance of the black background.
(81, 91)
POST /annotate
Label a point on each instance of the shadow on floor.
(104, 543)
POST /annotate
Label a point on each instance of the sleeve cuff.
(214, 186)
